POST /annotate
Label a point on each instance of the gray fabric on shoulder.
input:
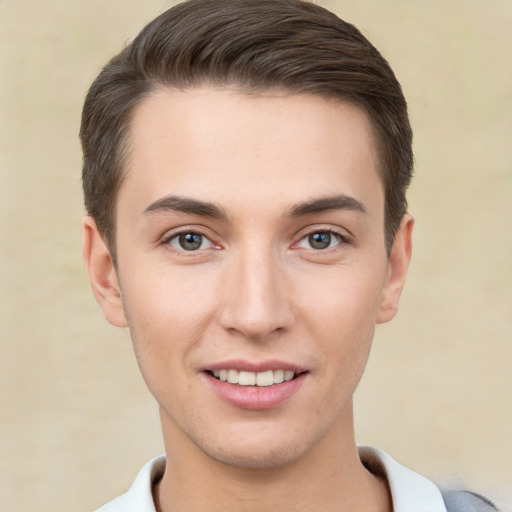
(467, 501)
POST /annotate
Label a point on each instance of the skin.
(255, 290)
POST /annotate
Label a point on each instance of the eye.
(190, 241)
(320, 240)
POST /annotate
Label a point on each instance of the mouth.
(258, 379)
(255, 386)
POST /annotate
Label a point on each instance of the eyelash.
(343, 239)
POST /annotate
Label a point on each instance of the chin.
(269, 449)
(254, 458)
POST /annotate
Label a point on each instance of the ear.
(102, 273)
(398, 263)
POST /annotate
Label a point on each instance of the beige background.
(76, 420)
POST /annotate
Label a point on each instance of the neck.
(329, 477)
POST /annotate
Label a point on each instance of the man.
(245, 170)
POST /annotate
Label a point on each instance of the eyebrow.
(326, 204)
(207, 209)
(185, 205)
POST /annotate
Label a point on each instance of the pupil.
(191, 241)
(320, 240)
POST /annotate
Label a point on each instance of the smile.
(245, 378)
(245, 389)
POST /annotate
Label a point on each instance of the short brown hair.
(253, 45)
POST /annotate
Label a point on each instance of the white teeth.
(265, 378)
(288, 375)
(233, 376)
(246, 378)
(278, 376)
(243, 378)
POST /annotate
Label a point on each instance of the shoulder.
(411, 491)
(467, 501)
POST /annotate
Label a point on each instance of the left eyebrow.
(326, 204)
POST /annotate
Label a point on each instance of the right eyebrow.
(185, 205)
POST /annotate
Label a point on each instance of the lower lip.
(256, 397)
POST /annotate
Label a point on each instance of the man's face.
(250, 239)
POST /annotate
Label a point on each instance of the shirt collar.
(409, 490)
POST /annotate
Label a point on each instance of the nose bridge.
(257, 300)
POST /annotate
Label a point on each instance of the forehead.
(223, 143)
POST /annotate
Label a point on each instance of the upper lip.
(243, 365)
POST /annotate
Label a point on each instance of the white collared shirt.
(410, 492)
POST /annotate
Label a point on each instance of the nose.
(256, 299)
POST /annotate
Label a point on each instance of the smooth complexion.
(250, 238)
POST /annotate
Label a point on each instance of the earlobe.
(397, 269)
(102, 273)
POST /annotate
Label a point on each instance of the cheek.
(167, 314)
(341, 315)
(349, 297)
(173, 299)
